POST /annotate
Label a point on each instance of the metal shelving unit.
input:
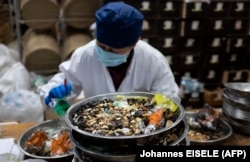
(16, 3)
(6, 26)
(61, 22)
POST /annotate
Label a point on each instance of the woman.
(116, 61)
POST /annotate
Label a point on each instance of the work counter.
(15, 130)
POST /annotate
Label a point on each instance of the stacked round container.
(119, 148)
(236, 105)
(41, 51)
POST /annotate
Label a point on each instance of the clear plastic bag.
(21, 106)
(13, 74)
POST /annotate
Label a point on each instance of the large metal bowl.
(80, 156)
(223, 127)
(236, 112)
(236, 98)
(54, 124)
(238, 125)
(116, 139)
(234, 107)
(107, 152)
(241, 89)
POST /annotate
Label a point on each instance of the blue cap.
(118, 24)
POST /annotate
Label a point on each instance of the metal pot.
(238, 125)
(127, 154)
(235, 98)
(106, 152)
(53, 124)
(224, 129)
(234, 108)
(80, 156)
(240, 89)
(120, 140)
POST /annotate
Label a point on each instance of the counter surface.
(15, 130)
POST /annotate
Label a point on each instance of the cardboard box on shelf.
(213, 97)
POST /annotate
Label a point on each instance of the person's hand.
(60, 91)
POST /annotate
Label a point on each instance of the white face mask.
(110, 59)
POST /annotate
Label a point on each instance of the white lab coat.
(148, 72)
